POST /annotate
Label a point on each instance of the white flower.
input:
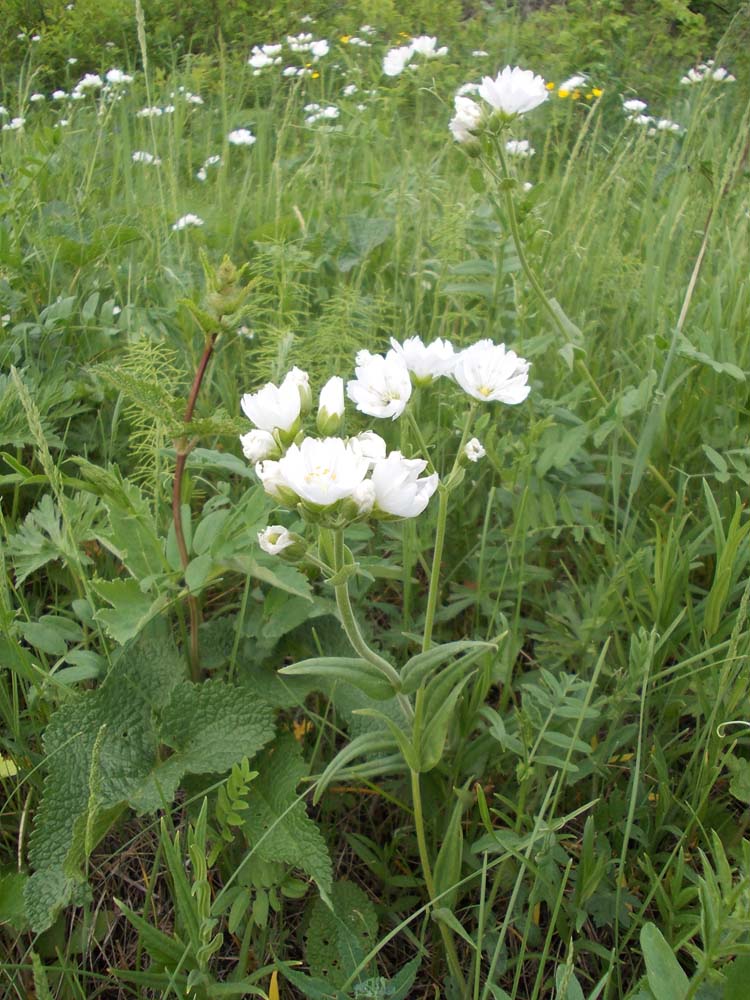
(488, 372)
(62, 123)
(514, 91)
(382, 387)
(3, 111)
(274, 484)
(474, 450)
(289, 71)
(272, 49)
(187, 220)
(37, 98)
(140, 156)
(91, 81)
(519, 147)
(319, 49)
(666, 125)
(349, 89)
(465, 122)
(116, 77)
(364, 497)
(258, 445)
(426, 362)
(573, 82)
(468, 88)
(527, 186)
(72, 61)
(273, 407)
(396, 60)
(194, 99)
(398, 490)
(369, 445)
(641, 119)
(723, 75)
(58, 95)
(14, 125)
(201, 174)
(149, 113)
(301, 381)
(635, 106)
(425, 45)
(479, 54)
(322, 472)
(275, 538)
(241, 137)
(331, 405)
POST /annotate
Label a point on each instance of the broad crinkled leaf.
(102, 752)
(277, 825)
(339, 936)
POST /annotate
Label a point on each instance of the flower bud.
(474, 450)
(257, 445)
(301, 380)
(277, 540)
(331, 406)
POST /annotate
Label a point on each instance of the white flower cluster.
(339, 480)
(141, 156)
(315, 113)
(241, 137)
(636, 108)
(708, 71)
(187, 221)
(514, 91)
(396, 60)
(211, 161)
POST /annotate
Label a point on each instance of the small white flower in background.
(186, 221)
(271, 49)
(367, 29)
(426, 45)
(37, 98)
(258, 445)
(58, 95)
(527, 186)
(474, 450)
(480, 54)
(369, 445)
(322, 472)
(426, 362)
(275, 538)
(36, 38)
(666, 125)
(382, 387)
(307, 19)
(641, 119)
(398, 490)
(634, 106)
(168, 109)
(465, 123)
(3, 111)
(519, 147)
(72, 61)
(201, 174)
(273, 407)
(349, 89)
(141, 156)
(395, 61)
(573, 82)
(152, 112)
(90, 81)
(321, 114)
(331, 406)
(14, 125)
(259, 60)
(289, 71)
(723, 75)
(5, 319)
(62, 123)
(705, 71)
(194, 99)
(467, 88)
(116, 310)
(359, 42)
(116, 77)
(514, 91)
(490, 373)
(241, 137)
(319, 49)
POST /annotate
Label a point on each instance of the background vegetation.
(594, 794)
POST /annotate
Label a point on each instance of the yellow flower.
(315, 75)
(597, 91)
(589, 96)
(345, 38)
(563, 93)
(576, 95)
(550, 85)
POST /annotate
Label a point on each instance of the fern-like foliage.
(43, 536)
(106, 750)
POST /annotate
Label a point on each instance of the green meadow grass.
(604, 535)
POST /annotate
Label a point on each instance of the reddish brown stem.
(184, 447)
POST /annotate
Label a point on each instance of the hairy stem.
(354, 633)
(184, 447)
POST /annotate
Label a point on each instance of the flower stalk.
(183, 447)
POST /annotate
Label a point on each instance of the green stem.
(448, 942)
(354, 634)
(442, 517)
